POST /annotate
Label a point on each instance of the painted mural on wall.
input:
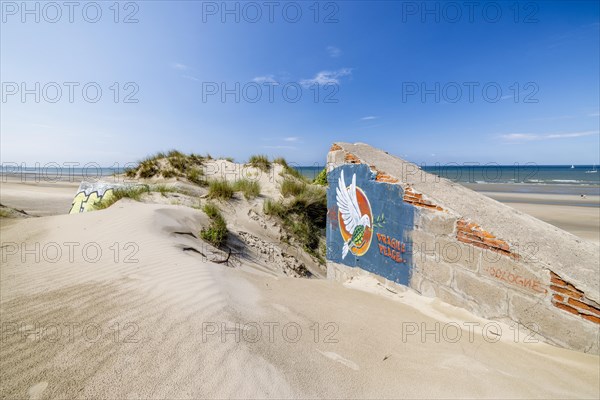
(368, 223)
(89, 195)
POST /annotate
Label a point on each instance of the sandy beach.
(113, 304)
(579, 216)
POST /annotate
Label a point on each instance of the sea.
(526, 178)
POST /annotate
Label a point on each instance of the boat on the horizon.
(572, 166)
(592, 171)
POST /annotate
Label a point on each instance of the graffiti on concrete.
(368, 223)
(90, 195)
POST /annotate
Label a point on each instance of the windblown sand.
(130, 314)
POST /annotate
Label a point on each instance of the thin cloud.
(265, 79)
(327, 77)
(333, 51)
(180, 67)
(528, 137)
(596, 114)
(570, 135)
(191, 78)
(291, 139)
(368, 118)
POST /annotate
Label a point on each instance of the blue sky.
(386, 73)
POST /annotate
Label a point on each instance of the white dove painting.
(356, 220)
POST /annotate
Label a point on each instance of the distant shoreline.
(50, 177)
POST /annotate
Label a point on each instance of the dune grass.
(177, 164)
(292, 187)
(220, 189)
(250, 189)
(304, 217)
(261, 162)
(163, 189)
(133, 192)
(196, 175)
(288, 169)
(216, 233)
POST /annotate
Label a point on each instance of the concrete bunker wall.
(446, 241)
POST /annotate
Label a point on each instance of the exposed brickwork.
(471, 233)
(572, 300)
(584, 306)
(383, 177)
(335, 147)
(416, 199)
(351, 159)
(591, 318)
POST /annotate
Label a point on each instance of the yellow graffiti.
(88, 202)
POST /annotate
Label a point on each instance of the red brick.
(583, 306)
(416, 199)
(591, 318)
(351, 158)
(470, 232)
(569, 293)
(469, 236)
(567, 308)
(383, 177)
(496, 243)
(557, 297)
(556, 279)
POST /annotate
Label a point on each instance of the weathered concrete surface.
(467, 249)
(559, 250)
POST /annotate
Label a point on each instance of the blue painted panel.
(380, 219)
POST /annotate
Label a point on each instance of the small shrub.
(220, 189)
(261, 162)
(216, 233)
(4, 213)
(251, 189)
(291, 187)
(321, 179)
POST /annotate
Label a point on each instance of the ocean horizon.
(473, 174)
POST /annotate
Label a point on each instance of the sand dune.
(154, 321)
